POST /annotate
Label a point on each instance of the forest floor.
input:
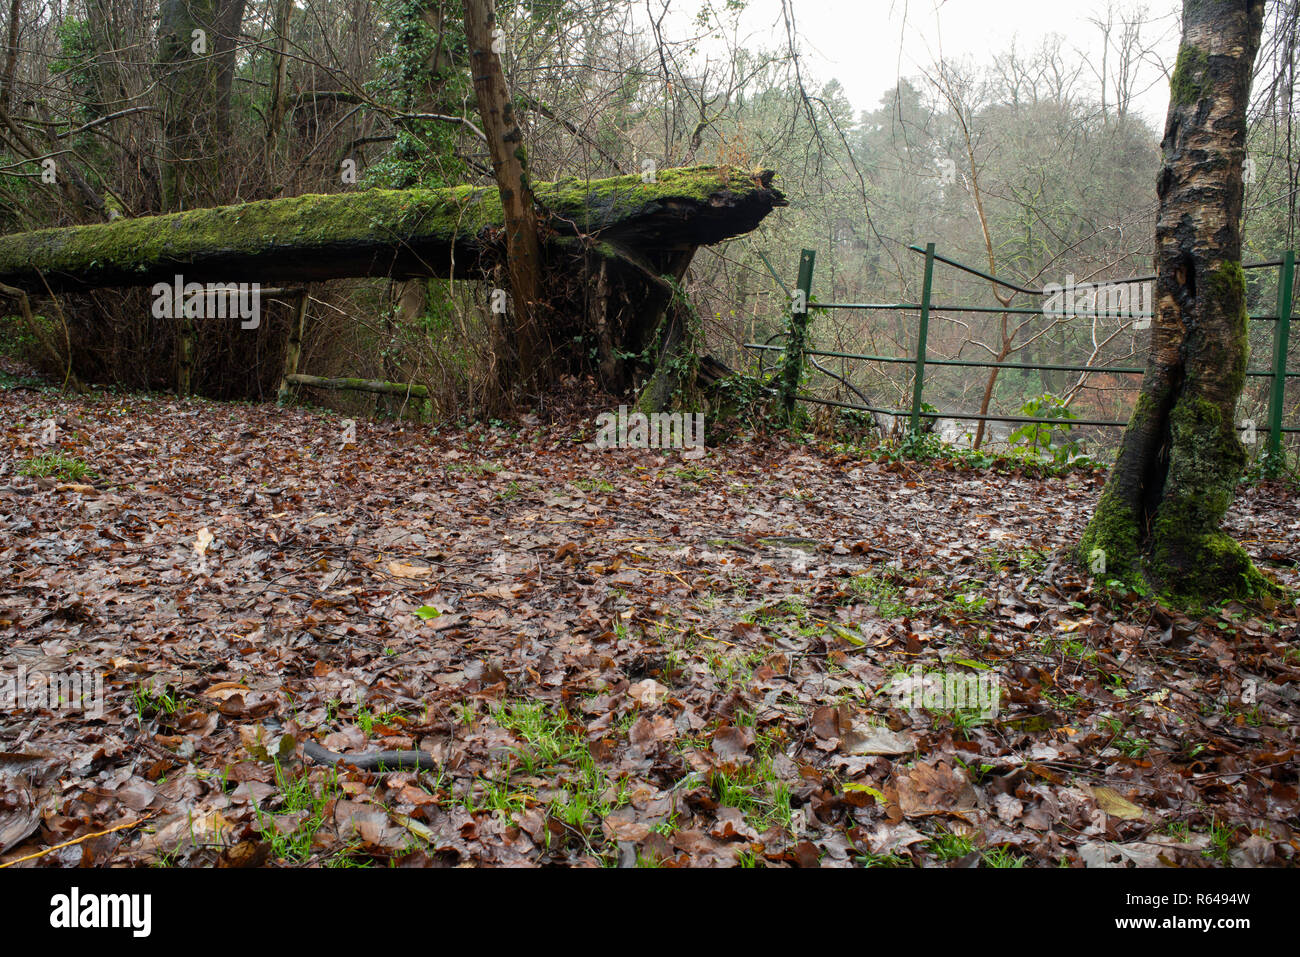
(617, 657)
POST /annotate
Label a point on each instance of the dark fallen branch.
(372, 760)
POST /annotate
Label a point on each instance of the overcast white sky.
(868, 44)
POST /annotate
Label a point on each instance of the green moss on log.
(359, 385)
(380, 232)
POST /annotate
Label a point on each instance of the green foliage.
(555, 747)
(16, 340)
(867, 859)
(740, 403)
(1035, 438)
(1001, 857)
(950, 847)
(78, 63)
(886, 590)
(421, 72)
(149, 701)
(1222, 838)
(920, 447)
(850, 425)
(595, 485)
(55, 465)
(308, 805)
(755, 789)
(931, 449)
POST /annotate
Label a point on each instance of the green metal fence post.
(918, 385)
(1281, 336)
(796, 342)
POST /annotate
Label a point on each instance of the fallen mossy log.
(360, 385)
(395, 233)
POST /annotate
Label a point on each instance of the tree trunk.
(510, 167)
(674, 352)
(196, 50)
(407, 303)
(230, 22)
(11, 57)
(191, 79)
(990, 383)
(1159, 516)
(279, 75)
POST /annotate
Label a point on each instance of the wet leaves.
(614, 658)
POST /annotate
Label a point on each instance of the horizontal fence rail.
(796, 351)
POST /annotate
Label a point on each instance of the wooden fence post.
(293, 351)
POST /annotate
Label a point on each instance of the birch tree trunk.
(1159, 516)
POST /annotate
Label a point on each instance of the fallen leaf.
(1114, 804)
(403, 570)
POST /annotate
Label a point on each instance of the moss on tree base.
(1110, 544)
(1184, 557)
(1219, 570)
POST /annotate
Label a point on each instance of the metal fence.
(796, 353)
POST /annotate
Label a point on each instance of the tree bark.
(196, 51)
(510, 167)
(279, 75)
(1158, 519)
(11, 57)
(293, 347)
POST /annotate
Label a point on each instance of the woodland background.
(1033, 164)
